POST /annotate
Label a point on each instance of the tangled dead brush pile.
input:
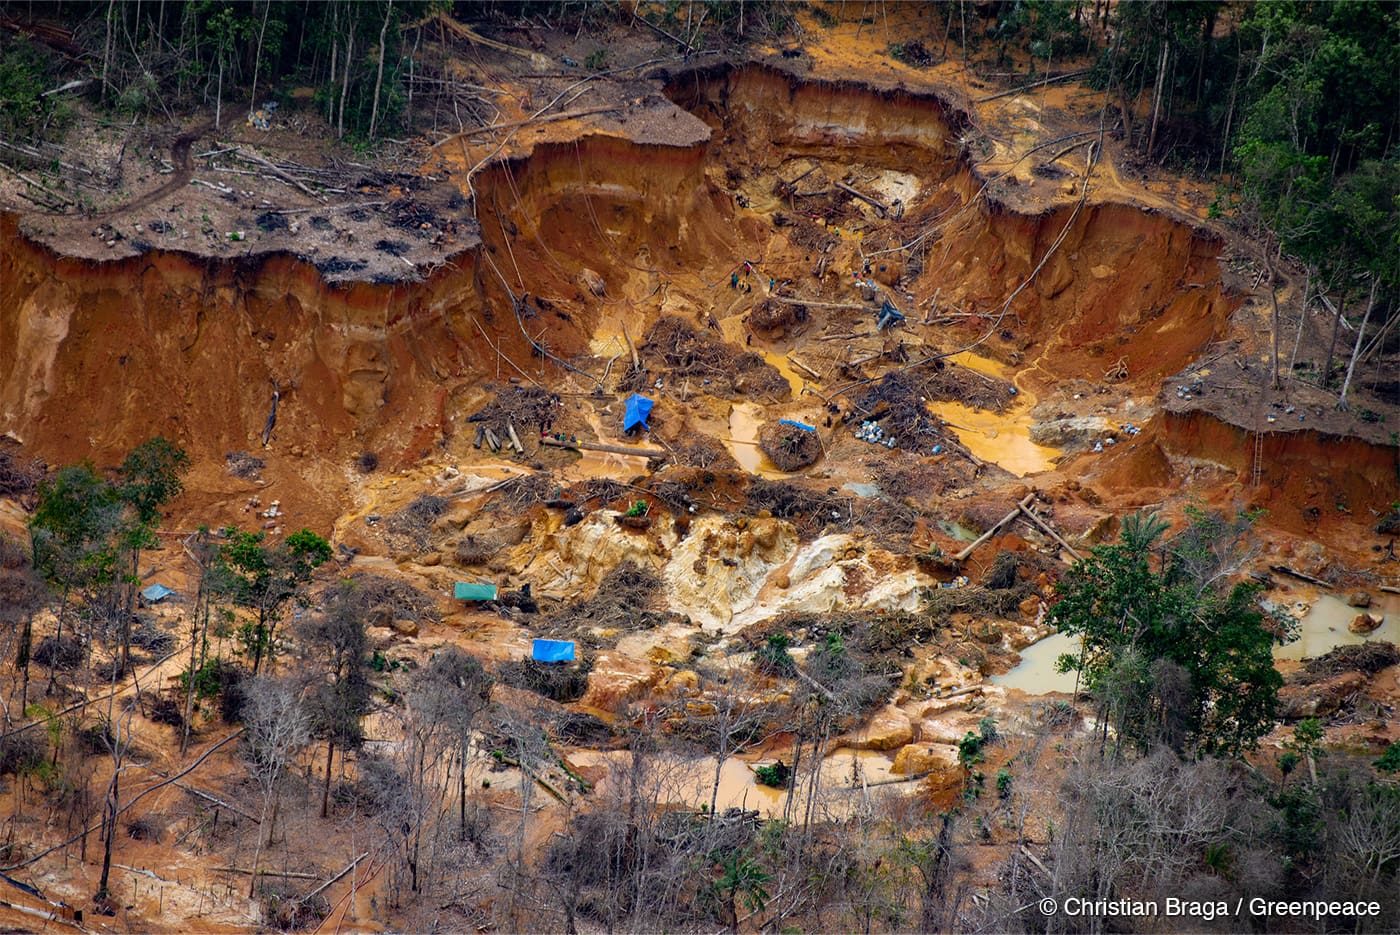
(521, 493)
(622, 602)
(916, 482)
(789, 447)
(415, 521)
(705, 452)
(810, 510)
(528, 408)
(1366, 658)
(19, 476)
(680, 351)
(402, 600)
(899, 401)
(772, 318)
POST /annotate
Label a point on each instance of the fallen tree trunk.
(611, 449)
(1049, 531)
(963, 555)
(877, 205)
(1285, 570)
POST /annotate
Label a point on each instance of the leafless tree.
(279, 727)
(339, 695)
(22, 594)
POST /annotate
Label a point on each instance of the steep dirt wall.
(766, 109)
(1311, 484)
(1124, 283)
(629, 212)
(95, 357)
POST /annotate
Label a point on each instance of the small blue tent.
(638, 408)
(156, 593)
(553, 651)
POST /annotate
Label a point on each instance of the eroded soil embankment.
(1119, 281)
(1309, 482)
(96, 357)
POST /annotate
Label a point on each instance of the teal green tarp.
(474, 592)
(553, 651)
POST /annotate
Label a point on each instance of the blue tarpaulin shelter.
(638, 408)
(463, 591)
(156, 593)
(888, 316)
(553, 651)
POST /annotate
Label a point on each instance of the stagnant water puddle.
(1036, 675)
(1003, 438)
(744, 420)
(1326, 627)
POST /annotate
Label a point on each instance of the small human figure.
(734, 280)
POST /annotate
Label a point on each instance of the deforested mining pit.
(782, 384)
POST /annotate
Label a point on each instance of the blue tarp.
(888, 316)
(156, 593)
(798, 425)
(465, 591)
(553, 651)
(638, 408)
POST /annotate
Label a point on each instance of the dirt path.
(184, 171)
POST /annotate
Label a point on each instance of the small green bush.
(776, 775)
(773, 657)
(970, 749)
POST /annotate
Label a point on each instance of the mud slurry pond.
(1036, 673)
(1003, 438)
(847, 776)
(1327, 626)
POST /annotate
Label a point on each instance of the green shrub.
(970, 749)
(24, 77)
(773, 657)
(1390, 759)
(776, 775)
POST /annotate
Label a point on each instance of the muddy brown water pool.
(1326, 627)
(849, 778)
(1035, 674)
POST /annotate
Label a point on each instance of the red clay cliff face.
(98, 356)
(1312, 484)
(95, 357)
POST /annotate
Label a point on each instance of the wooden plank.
(963, 555)
(612, 449)
(1285, 570)
(1046, 528)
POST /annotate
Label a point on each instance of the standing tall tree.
(150, 477)
(339, 697)
(1172, 651)
(71, 535)
(279, 726)
(265, 579)
(21, 595)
